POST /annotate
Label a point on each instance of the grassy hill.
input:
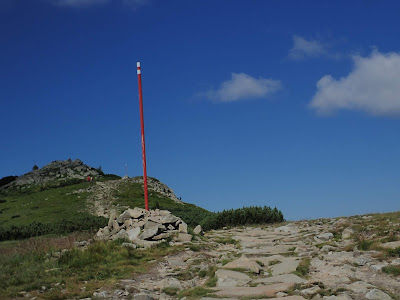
(63, 209)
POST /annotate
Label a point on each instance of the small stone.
(129, 245)
(183, 227)
(347, 233)
(310, 291)
(123, 217)
(198, 230)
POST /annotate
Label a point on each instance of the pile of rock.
(145, 228)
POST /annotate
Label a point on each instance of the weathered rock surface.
(231, 278)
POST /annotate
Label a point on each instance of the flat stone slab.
(391, 245)
(267, 290)
(287, 278)
(231, 278)
(289, 265)
(245, 263)
(269, 250)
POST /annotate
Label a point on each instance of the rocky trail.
(301, 260)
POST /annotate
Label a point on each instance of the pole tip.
(138, 64)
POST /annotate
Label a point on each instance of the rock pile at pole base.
(144, 228)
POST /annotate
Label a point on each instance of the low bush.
(79, 223)
(242, 216)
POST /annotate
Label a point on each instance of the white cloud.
(372, 86)
(303, 48)
(242, 87)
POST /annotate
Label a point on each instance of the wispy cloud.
(89, 3)
(242, 87)
(303, 48)
(372, 86)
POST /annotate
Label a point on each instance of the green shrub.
(7, 180)
(394, 252)
(393, 270)
(243, 216)
(79, 223)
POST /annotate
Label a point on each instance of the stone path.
(302, 260)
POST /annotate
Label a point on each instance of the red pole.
(146, 197)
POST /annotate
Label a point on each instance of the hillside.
(58, 193)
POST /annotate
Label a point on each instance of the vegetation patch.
(194, 293)
(303, 268)
(392, 270)
(63, 273)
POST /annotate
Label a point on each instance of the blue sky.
(293, 104)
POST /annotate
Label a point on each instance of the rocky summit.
(58, 171)
(320, 259)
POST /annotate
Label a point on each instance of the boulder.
(198, 230)
(123, 217)
(150, 224)
(113, 216)
(120, 235)
(183, 227)
(168, 219)
(133, 233)
(184, 237)
(149, 233)
(136, 213)
(347, 233)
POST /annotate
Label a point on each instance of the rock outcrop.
(144, 228)
(56, 172)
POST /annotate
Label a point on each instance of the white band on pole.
(138, 64)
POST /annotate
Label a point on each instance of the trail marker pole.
(146, 197)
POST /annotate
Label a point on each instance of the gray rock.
(150, 224)
(376, 294)
(391, 245)
(123, 217)
(231, 278)
(142, 297)
(136, 213)
(120, 235)
(325, 236)
(184, 237)
(168, 219)
(113, 216)
(133, 233)
(198, 230)
(149, 233)
(183, 227)
(347, 233)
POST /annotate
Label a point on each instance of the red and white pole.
(146, 197)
